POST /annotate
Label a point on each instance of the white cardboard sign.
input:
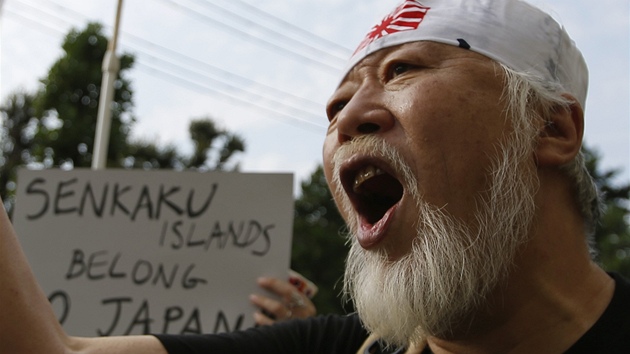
(133, 252)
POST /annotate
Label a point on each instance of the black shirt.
(344, 334)
(321, 334)
(611, 333)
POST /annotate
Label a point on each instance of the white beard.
(451, 267)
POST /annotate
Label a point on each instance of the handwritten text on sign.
(130, 252)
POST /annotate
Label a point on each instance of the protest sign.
(133, 252)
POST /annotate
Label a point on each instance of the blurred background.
(242, 85)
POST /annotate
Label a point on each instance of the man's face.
(436, 187)
(440, 108)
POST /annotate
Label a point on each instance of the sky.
(264, 69)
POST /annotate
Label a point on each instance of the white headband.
(512, 32)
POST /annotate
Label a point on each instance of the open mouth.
(372, 191)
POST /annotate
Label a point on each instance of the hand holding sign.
(292, 299)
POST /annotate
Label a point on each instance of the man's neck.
(549, 321)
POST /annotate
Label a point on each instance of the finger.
(292, 300)
(277, 286)
(301, 306)
(290, 295)
(271, 306)
(297, 300)
(262, 320)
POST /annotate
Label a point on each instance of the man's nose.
(365, 113)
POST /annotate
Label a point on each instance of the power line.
(37, 23)
(286, 27)
(195, 62)
(282, 96)
(200, 87)
(188, 83)
(236, 31)
(228, 87)
(277, 35)
(288, 118)
(81, 18)
(222, 73)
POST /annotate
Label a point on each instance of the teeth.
(365, 174)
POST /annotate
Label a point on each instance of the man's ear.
(561, 136)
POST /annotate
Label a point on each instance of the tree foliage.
(19, 123)
(68, 102)
(213, 146)
(612, 235)
(213, 149)
(56, 125)
(319, 249)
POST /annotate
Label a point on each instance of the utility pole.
(111, 66)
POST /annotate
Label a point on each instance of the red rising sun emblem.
(405, 17)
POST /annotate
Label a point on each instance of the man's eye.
(335, 108)
(399, 69)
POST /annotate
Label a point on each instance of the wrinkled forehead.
(512, 32)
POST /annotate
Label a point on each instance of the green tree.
(147, 155)
(213, 146)
(56, 125)
(213, 149)
(319, 249)
(612, 235)
(69, 101)
(19, 123)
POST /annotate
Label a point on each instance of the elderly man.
(453, 153)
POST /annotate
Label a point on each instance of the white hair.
(526, 95)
